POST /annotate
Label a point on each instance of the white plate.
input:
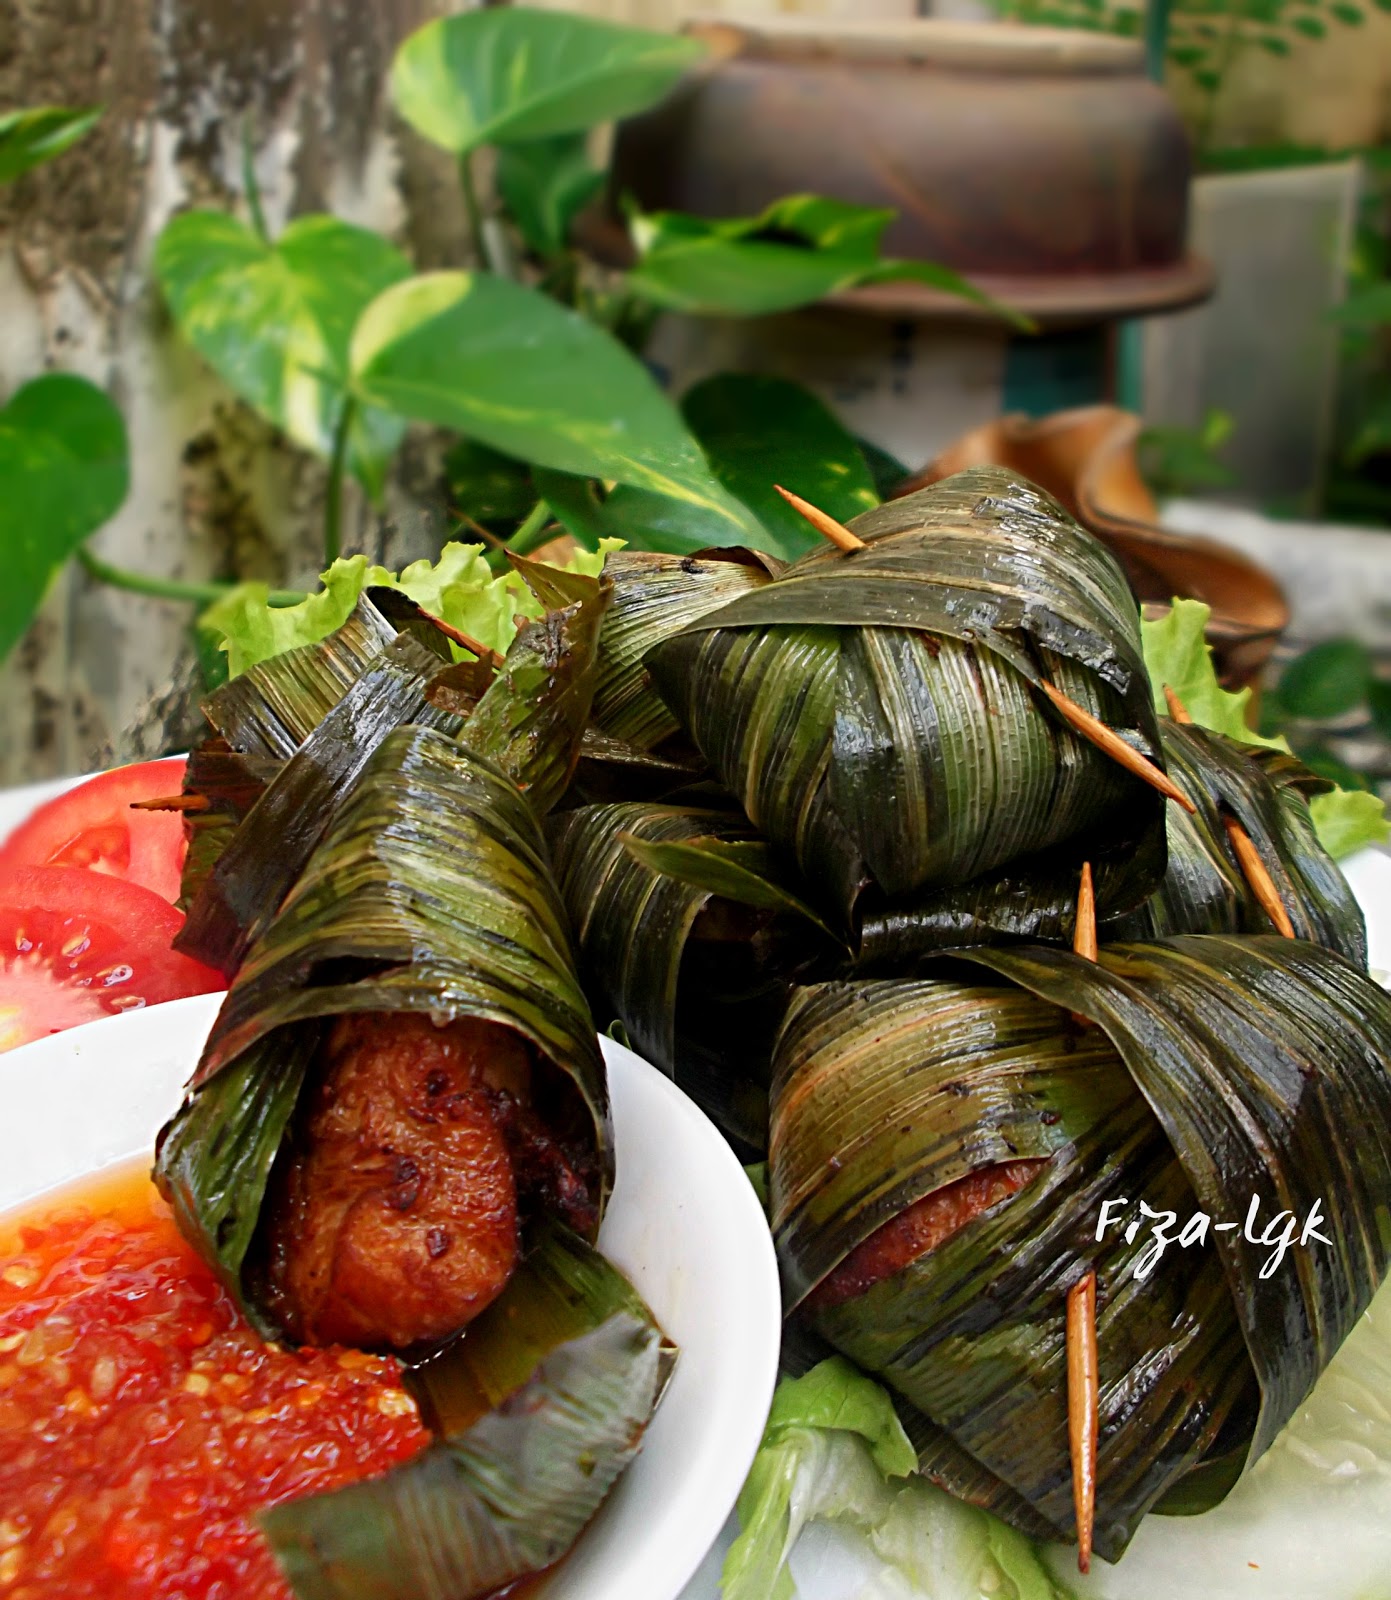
(684, 1224)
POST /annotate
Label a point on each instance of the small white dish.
(684, 1224)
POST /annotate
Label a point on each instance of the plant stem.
(531, 533)
(198, 594)
(250, 186)
(333, 494)
(475, 211)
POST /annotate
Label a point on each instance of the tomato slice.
(93, 826)
(77, 945)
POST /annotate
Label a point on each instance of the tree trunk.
(104, 675)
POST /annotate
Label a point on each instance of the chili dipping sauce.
(143, 1423)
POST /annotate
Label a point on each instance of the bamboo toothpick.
(836, 532)
(1248, 858)
(1177, 710)
(1258, 877)
(1110, 743)
(1083, 1376)
(1084, 932)
(465, 641)
(174, 802)
(1083, 1410)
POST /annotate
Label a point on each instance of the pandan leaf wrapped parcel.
(419, 974)
(430, 897)
(941, 1151)
(654, 597)
(883, 716)
(325, 707)
(1266, 792)
(698, 972)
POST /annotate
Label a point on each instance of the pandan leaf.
(698, 981)
(530, 721)
(1192, 1092)
(537, 1413)
(875, 714)
(428, 892)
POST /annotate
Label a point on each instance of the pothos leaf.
(499, 76)
(35, 134)
(275, 320)
(65, 467)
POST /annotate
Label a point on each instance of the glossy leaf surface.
(65, 467)
(274, 321)
(499, 76)
(359, 932)
(504, 364)
(799, 250)
(537, 1413)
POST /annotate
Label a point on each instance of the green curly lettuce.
(835, 1461)
(460, 587)
(1177, 654)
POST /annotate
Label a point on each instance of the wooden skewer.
(1110, 743)
(464, 640)
(1255, 873)
(836, 532)
(1177, 710)
(1083, 1379)
(1083, 1410)
(174, 802)
(1084, 932)
(1248, 858)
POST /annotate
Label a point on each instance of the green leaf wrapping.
(654, 597)
(228, 784)
(874, 713)
(271, 708)
(1220, 1069)
(241, 894)
(698, 983)
(1204, 891)
(532, 716)
(429, 893)
(537, 1412)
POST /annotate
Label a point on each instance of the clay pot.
(1041, 162)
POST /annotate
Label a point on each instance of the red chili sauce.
(143, 1424)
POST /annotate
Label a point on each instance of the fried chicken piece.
(919, 1228)
(394, 1220)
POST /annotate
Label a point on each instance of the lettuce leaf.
(836, 1464)
(1177, 654)
(460, 587)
